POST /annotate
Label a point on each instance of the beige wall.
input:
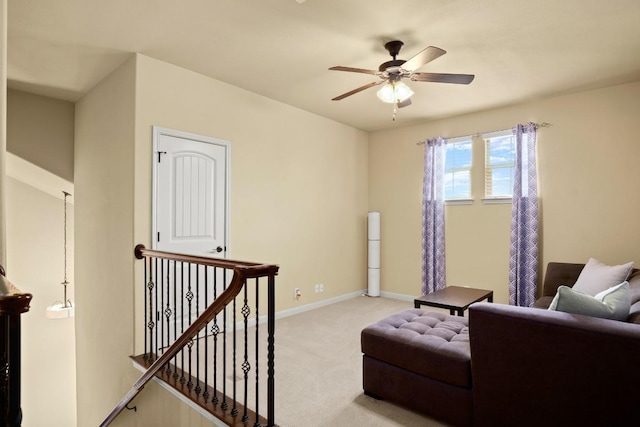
(41, 130)
(298, 198)
(104, 241)
(588, 174)
(3, 132)
(35, 260)
(35, 263)
(298, 181)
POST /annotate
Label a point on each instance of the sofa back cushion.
(560, 273)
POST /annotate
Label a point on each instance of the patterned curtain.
(523, 262)
(433, 269)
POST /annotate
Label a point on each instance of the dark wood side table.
(455, 298)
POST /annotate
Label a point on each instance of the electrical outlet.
(317, 288)
(297, 293)
(321, 287)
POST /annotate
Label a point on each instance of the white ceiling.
(518, 49)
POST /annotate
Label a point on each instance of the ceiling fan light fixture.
(393, 93)
(402, 92)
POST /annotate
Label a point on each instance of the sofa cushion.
(595, 277)
(634, 313)
(543, 302)
(432, 344)
(613, 303)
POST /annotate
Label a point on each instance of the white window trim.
(457, 202)
(496, 200)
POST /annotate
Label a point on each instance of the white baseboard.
(401, 297)
(325, 302)
(318, 304)
(303, 308)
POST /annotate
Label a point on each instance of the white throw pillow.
(596, 277)
(613, 303)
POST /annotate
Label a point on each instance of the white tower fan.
(373, 276)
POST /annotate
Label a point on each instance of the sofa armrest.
(538, 367)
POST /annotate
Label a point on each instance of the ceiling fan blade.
(355, 70)
(427, 55)
(360, 89)
(461, 79)
(404, 103)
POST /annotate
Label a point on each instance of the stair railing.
(12, 306)
(178, 333)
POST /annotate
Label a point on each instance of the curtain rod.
(538, 125)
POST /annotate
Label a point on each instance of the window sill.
(456, 202)
(496, 200)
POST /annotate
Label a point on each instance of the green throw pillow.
(613, 303)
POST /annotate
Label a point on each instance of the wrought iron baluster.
(257, 423)
(182, 378)
(190, 345)
(198, 388)
(190, 355)
(234, 411)
(146, 338)
(175, 316)
(271, 325)
(205, 395)
(151, 323)
(155, 311)
(246, 366)
(161, 283)
(215, 330)
(225, 405)
(168, 311)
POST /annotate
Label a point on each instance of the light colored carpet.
(318, 368)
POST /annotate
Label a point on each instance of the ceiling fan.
(392, 72)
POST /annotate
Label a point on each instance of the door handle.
(218, 249)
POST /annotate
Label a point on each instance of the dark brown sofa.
(526, 366)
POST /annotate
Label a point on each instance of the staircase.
(205, 337)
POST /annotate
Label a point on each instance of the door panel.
(191, 191)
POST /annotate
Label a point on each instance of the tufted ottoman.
(420, 360)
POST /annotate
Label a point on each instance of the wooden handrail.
(140, 252)
(241, 271)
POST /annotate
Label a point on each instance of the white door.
(190, 216)
(191, 192)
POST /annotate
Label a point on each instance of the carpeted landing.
(319, 368)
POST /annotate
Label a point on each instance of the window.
(457, 170)
(500, 157)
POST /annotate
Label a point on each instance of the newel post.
(11, 307)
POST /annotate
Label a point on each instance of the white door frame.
(159, 131)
